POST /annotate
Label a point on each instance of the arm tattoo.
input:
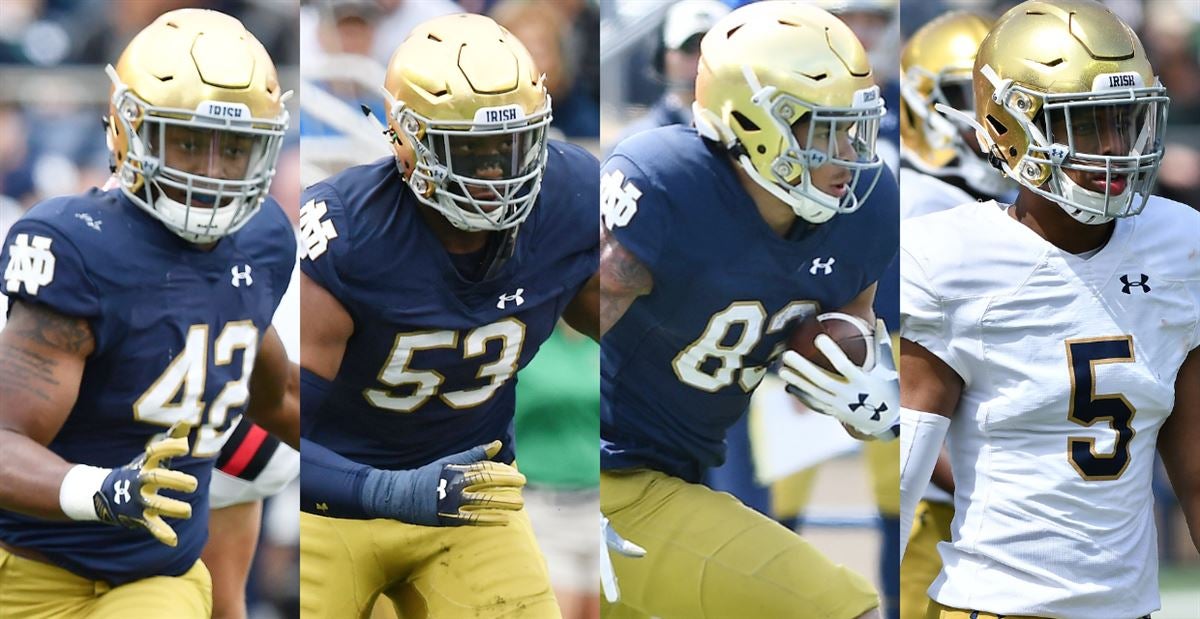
(49, 328)
(33, 347)
(623, 278)
(28, 372)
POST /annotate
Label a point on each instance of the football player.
(139, 327)
(1056, 338)
(436, 275)
(715, 241)
(941, 167)
(941, 164)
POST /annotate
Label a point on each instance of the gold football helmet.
(467, 113)
(1068, 105)
(195, 123)
(935, 67)
(769, 68)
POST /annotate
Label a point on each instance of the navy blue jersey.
(430, 369)
(176, 331)
(679, 367)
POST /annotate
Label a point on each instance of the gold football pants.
(435, 572)
(709, 556)
(34, 590)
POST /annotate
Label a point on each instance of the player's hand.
(472, 489)
(612, 541)
(868, 402)
(466, 488)
(129, 497)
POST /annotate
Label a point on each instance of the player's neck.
(779, 216)
(1052, 223)
(455, 241)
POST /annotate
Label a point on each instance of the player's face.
(221, 155)
(486, 158)
(1109, 130)
(836, 140)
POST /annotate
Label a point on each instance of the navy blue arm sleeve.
(330, 485)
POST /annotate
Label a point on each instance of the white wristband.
(921, 437)
(78, 487)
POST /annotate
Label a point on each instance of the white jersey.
(1069, 367)
(924, 194)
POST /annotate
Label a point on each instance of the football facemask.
(1096, 153)
(196, 122)
(841, 137)
(480, 175)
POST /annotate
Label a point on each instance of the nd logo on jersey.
(30, 263)
(618, 199)
(315, 232)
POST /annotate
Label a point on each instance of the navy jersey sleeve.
(576, 225)
(884, 211)
(43, 265)
(324, 238)
(635, 210)
(281, 250)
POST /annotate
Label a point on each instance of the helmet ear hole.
(746, 123)
(997, 126)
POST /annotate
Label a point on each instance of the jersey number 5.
(1087, 408)
(424, 384)
(178, 393)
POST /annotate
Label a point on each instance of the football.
(852, 334)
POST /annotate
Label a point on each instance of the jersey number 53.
(421, 385)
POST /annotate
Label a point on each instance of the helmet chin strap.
(980, 176)
(1074, 195)
(802, 205)
(178, 219)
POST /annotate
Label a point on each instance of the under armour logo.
(516, 297)
(30, 263)
(122, 490)
(826, 267)
(618, 199)
(322, 507)
(441, 489)
(314, 233)
(1143, 283)
(862, 403)
(238, 278)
